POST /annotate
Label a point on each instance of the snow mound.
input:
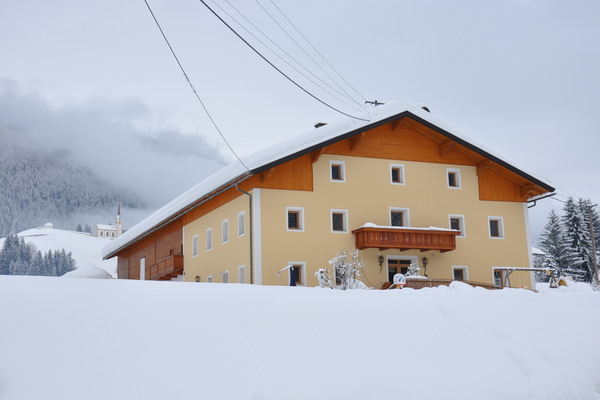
(88, 271)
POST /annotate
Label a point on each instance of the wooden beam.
(423, 130)
(266, 174)
(314, 156)
(356, 139)
(484, 166)
(447, 147)
(528, 191)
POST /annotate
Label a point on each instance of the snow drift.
(99, 339)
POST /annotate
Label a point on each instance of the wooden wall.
(156, 246)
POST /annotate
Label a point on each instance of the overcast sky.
(522, 77)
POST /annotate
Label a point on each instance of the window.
(226, 277)
(241, 224)
(399, 217)
(209, 239)
(295, 219)
(339, 221)
(242, 274)
(459, 273)
(496, 225)
(397, 174)
(225, 231)
(457, 222)
(453, 178)
(143, 269)
(337, 170)
(195, 246)
(298, 270)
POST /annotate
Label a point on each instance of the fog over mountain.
(85, 159)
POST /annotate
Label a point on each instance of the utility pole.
(593, 242)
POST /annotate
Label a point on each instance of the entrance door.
(397, 266)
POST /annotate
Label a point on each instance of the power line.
(277, 69)
(302, 48)
(317, 51)
(192, 86)
(286, 53)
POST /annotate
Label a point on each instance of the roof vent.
(425, 108)
(320, 124)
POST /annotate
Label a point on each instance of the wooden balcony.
(167, 268)
(402, 238)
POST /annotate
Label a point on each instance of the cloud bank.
(106, 136)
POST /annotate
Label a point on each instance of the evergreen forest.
(568, 240)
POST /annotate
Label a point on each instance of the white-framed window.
(242, 274)
(225, 276)
(339, 221)
(460, 273)
(241, 224)
(337, 171)
(453, 178)
(209, 239)
(299, 269)
(195, 246)
(399, 216)
(143, 269)
(225, 231)
(209, 279)
(496, 227)
(397, 174)
(457, 222)
(294, 219)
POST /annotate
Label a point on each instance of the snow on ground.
(117, 339)
(86, 249)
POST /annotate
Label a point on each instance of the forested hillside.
(37, 187)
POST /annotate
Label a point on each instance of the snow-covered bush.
(347, 270)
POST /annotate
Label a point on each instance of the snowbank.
(73, 339)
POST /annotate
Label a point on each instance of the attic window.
(453, 178)
(337, 170)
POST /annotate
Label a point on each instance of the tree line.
(567, 240)
(20, 258)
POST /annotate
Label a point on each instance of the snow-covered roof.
(296, 147)
(106, 227)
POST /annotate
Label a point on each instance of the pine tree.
(79, 228)
(553, 242)
(577, 240)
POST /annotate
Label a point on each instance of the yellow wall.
(223, 256)
(367, 194)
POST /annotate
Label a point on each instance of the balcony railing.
(405, 238)
(167, 268)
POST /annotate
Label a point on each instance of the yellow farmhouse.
(403, 187)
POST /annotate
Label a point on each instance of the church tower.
(119, 223)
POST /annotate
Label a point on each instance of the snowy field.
(74, 339)
(84, 247)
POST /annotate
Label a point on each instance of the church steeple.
(119, 223)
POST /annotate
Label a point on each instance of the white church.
(110, 231)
